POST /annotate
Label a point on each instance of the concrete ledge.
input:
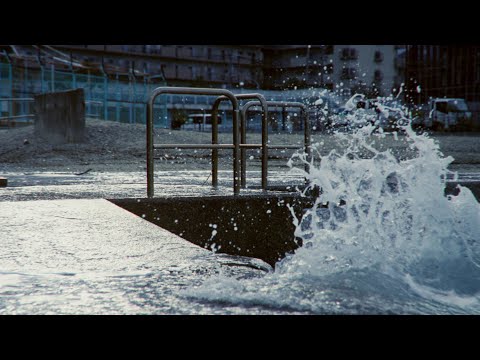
(259, 226)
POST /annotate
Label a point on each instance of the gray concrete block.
(60, 116)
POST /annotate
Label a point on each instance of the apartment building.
(181, 65)
(371, 69)
(298, 66)
(348, 68)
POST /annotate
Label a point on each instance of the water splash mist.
(382, 236)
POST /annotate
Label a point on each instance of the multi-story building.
(351, 68)
(123, 74)
(298, 66)
(181, 65)
(346, 68)
(366, 68)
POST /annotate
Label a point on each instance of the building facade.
(181, 65)
(344, 68)
(347, 68)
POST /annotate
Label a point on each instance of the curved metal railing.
(193, 91)
(239, 145)
(283, 105)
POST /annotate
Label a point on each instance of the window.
(378, 75)
(154, 49)
(328, 69)
(328, 49)
(348, 74)
(442, 107)
(378, 58)
(349, 54)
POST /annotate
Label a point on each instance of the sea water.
(382, 237)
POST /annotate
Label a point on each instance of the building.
(348, 68)
(366, 69)
(181, 65)
(298, 66)
(370, 69)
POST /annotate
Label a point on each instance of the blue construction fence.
(106, 97)
(113, 97)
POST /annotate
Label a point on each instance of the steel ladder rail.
(275, 104)
(242, 146)
(243, 140)
(192, 91)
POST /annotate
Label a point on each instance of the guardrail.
(239, 145)
(283, 105)
(193, 91)
(264, 147)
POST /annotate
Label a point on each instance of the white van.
(448, 114)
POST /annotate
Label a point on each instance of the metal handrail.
(16, 99)
(192, 91)
(282, 104)
(243, 139)
(239, 147)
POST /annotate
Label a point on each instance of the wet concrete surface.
(37, 185)
(66, 250)
(92, 257)
(24, 186)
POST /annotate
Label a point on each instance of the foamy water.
(381, 238)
